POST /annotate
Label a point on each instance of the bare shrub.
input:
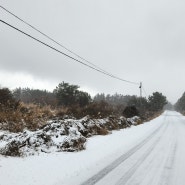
(98, 109)
(61, 111)
(74, 144)
(102, 131)
(28, 116)
(12, 148)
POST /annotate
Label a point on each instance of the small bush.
(102, 131)
(94, 109)
(99, 109)
(130, 111)
(12, 148)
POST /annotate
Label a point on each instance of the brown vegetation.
(67, 100)
(24, 116)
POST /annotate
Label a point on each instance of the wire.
(51, 47)
(33, 27)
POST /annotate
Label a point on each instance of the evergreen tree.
(157, 101)
(68, 95)
(36, 96)
(180, 105)
(7, 100)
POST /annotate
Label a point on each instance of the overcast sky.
(136, 40)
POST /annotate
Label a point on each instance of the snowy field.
(75, 168)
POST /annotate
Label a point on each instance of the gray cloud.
(136, 40)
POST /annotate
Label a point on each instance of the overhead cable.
(59, 44)
(53, 48)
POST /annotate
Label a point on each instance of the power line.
(59, 44)
(36, 29)
(53, 48)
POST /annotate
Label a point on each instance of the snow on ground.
(73, 168)
(60, 135)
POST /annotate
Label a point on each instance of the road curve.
(157, 160)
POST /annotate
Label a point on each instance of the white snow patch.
(73, 168)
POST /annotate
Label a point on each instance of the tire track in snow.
(122, 158)
(169, 164)
(166, 175)
(149, 162)
(124, 179)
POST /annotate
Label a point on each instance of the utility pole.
(140, 89)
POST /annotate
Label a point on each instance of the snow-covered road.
(152, 153)
(157, 160)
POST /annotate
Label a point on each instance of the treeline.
(29, 108)
(63, 95)
(180, 105)
(69, 96)
(141, 106)
(35, 96)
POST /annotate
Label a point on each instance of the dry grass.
(32, 117)
(28, 116)
(102, 131)
(151, 115)
(95, 110)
